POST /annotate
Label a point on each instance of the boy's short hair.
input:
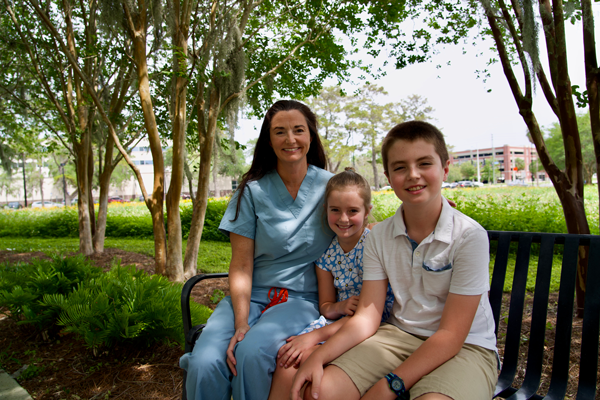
(411, 131)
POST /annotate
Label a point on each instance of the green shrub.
(214, 212)
(22, 286)
(118, 225)
(122, 220)
(124, 306)
(55, 222)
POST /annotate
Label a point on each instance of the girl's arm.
(444, 344)
(240, 286)
(362, 325)
(328, 306)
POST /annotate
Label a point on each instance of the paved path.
(10, 389)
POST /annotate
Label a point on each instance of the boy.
(439, 342)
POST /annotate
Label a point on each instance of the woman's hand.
(348, 306)
(294, 350)
(239, 335)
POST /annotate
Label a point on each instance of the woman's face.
(289, 136)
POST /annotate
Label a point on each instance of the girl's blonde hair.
(346, 179)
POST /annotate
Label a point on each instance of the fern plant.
(124, 306)
(22, 286)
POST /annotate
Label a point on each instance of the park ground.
(63, 368)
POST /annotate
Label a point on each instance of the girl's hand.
(293, 351)
(348, 306)
(239, 335)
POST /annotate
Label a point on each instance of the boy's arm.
(362, 325)
(444, 344)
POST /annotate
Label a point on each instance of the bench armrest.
(185, 306)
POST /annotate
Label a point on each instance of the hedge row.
(130, 220)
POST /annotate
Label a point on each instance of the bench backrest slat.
(564, 320)
(591, 324)
(536, 342)
(499, 275)
(515, 315)
(562, 363)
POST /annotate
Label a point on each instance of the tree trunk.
(83, 210)
(570, 193)
(214, 170)
(592, 78)
(193, 244)
(374, 165)
(104, 183)
(156, 200)
(568, 183)
(90, 183)
(42, 183)
(181, 15)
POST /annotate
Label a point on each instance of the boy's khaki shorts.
(471, 374)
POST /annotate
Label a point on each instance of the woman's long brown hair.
(265, 160)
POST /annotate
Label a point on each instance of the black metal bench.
(588, 363)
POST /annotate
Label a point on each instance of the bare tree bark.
(104, 183)
(198, 214)
(137, 27)
(592, 74)
(181, 15)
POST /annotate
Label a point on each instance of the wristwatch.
(397, 386)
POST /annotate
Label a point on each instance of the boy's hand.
(310, 371)
(238, 336)
(348, 306)
(292, 352)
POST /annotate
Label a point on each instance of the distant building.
(129, 190)
(504, 158)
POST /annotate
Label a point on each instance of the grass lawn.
(215, 256)
(212, 256)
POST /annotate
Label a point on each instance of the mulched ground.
(63, 368)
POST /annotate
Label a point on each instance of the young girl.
(339, 273)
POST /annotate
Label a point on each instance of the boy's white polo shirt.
(452, 259)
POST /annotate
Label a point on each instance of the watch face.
(396, 384)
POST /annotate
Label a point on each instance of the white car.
(47, 204)
(446, 185)
(477, 184)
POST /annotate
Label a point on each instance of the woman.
(275, 223)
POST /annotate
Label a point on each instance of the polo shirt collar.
(443, 228)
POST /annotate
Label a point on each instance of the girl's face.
(347, 215)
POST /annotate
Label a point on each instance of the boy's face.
(415, 172)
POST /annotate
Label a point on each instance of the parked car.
(465, 184)
(446, 185)
(453, 185)
(388, 187)
(13, 205)
(47, 204)
(116, 199)
(517, 182)
(186, 197)
(477, 184)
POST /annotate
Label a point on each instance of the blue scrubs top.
(289, 235)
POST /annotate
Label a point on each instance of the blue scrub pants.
(209, 377)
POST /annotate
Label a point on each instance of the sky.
(470, 112)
